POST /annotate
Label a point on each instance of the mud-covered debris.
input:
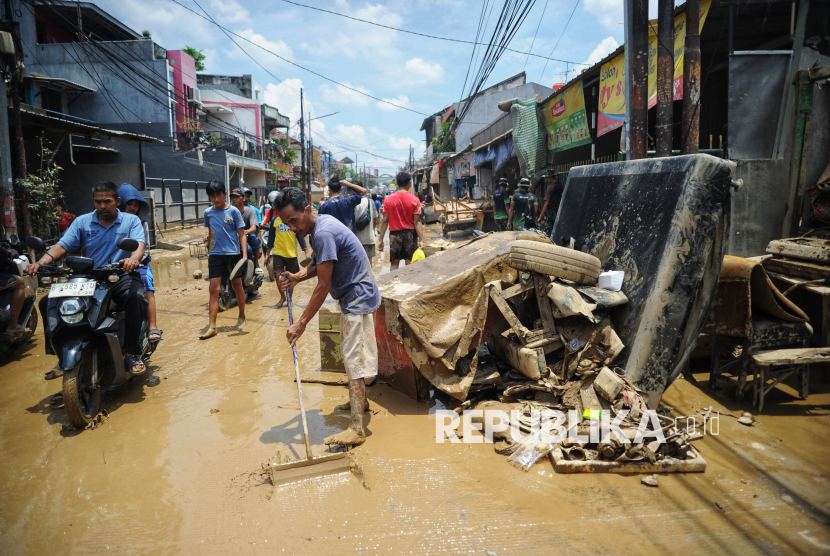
(212, 411)
(650, 480)
(197, 274)
(746, 419)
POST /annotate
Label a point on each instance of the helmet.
(272, 197)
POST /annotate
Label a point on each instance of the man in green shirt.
(521, 213)
(500, 208)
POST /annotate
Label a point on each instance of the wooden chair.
(778, 365)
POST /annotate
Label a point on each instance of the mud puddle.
(168, 475)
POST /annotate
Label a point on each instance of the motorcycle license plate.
(72, 289)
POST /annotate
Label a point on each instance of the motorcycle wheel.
(81, 400)
(225, 298)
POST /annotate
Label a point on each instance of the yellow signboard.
(566, 120)
(612, 74)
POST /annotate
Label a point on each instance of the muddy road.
(176, 469)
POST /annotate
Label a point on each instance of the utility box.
(331, 359)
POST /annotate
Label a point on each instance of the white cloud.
(354, 39)
(608, 12)
(402, 142)
(229, 11)
(285, 97)
(603, 49)
(419, 71)
(351, 134)
(400, 100)
(278, 47)
(343, 95)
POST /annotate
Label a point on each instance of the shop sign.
(566, 120)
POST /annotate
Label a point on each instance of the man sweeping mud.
(342, 268)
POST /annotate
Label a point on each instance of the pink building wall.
(184, 76)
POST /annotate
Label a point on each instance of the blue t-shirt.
(98, 242)
(352, 281)
(258, 214)
(224, 224)
(342, 208)
(378, 206)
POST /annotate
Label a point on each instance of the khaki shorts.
(358, 345)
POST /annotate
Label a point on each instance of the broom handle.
(299, 384)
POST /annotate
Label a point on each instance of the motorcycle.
(252, 279)
(85, 331)
(28, 315)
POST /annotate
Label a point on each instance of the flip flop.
(135, 366)
(155, 331)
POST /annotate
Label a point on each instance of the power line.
(560, 38)
(536, 33)
(424, 34)
(296, 64)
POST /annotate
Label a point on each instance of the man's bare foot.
(280, 303)
(349, 437)
(209, 333)
(15, 331)
(348, 406)
(240, 321)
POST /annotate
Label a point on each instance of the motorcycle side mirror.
(127, 244)
(36, 243)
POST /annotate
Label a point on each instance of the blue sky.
(420, 73)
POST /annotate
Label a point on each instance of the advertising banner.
(281, 169)
(566, 120)
(463, 166)
(612, 74)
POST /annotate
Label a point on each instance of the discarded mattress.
(661, 221)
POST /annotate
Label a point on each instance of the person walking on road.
(402, 215)
(227, 244)
(342, 269)
(282, 246)
(521, 213)
(363, 225)
(499, 207)
(342, 206)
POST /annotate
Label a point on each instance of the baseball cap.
(236, 193)
(246, 191)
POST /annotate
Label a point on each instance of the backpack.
(362, 220)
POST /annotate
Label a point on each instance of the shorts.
(403, 244)
(7, 281)
(358, 345)
(371, 250)
(254, 242)
(146, 274)
(220, 266)
(285, 264)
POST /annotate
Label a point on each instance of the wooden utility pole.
(636, 54)
(665, 77)
(691, 81)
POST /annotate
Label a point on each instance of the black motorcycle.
(85, 331)
(28, 314)
(251, 281)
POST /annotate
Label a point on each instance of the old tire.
(82, 402)
(536, 256)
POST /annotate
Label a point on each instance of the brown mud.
(177, 467)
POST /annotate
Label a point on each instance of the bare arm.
(419, 229)
(357, 188)
(322, 289)
(243, 242)
(383, 225)
(510, 213)
(52, 254)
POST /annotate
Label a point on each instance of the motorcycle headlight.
(70, 307)
(72, 319)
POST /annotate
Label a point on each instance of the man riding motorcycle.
(95, 234)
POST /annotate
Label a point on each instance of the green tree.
(196, 55)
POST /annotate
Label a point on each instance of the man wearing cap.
(340, 206)
(553, 196)
(402, 215)
(500, 208)
(521, 213)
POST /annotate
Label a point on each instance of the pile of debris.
(564, 365)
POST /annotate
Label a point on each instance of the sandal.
(134, 364)
(157, 332)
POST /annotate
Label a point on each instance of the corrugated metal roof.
(35, 116)
(58, 82)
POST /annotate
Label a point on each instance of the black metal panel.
(756, 87)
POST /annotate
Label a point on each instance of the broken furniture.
(777, 365)
(749, 314)
(663, 222)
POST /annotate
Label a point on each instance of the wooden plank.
(802, 269)
(521, 331)
(513, 291)
(545, 312)
(804, 356)
(813, 249)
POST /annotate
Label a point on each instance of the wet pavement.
(177, 467)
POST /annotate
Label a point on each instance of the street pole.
(691, 81)
(10, 218)
(665, 77)
(636, 78)
(302, 146)
(310, 155)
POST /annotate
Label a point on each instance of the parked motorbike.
(85, 331)
(28, 314)
(252, 279)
